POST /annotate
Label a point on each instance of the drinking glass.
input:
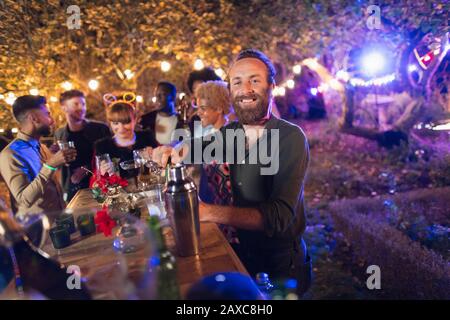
(104, 160)
(63, 145)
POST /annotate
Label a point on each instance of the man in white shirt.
(164, 120)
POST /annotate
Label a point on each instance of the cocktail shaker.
(182, 208)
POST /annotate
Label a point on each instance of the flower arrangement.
(102, 186)
(104, 222)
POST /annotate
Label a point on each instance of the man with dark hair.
(28, 167)
(197, 77)
(84, 133)
(164, 120)
(268, 209)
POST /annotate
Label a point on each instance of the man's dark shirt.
(84, 143)
(279, 197)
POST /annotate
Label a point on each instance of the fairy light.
(2, 130)
(66, 85)
(139, 99)
(128, 74)
(297, 69)
(154, 99)
(220, 72)
(442, 127)
(165, 66)
(10, 98)
(357, 82)
(412, 68)
(290, 84)
(34, 92)
(182, 95)
(198, 64)
(53, 99)
(314, 91)
(93, 84)
(14, 130)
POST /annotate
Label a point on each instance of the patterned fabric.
(219, 185)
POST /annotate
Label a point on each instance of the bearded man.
(268, 208)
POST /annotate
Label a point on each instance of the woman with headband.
(121, 117)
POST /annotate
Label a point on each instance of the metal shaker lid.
(177, 173)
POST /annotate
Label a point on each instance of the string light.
(2, 97)
(220, 72)
(2, 130)
(154, 99)
(412, 68)
(357, 82)
(128, 74)
(67, 85)
(53, 99)
(93, 85)
(198, 64)
(279, 91)
(297, 69)
(165, 66)
(34, 92)
(10, 98)
(14, 130)
(442, 127)
(181, 95)
(139, 99)
(314, 91)
(290, 84)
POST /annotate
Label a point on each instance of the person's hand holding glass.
(66, 153)
(104, 164)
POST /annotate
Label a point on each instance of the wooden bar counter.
(216, 255)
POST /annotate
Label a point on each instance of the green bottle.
(165, 264)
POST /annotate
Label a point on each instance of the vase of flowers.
(108, 190)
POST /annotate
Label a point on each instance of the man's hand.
(78, 175)
(62, 157)
(161, 154)
(203, 210)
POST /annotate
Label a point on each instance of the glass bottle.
(165, 264)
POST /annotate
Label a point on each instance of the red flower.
(104, 222)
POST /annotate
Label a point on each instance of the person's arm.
(24, 191)
(242, 218)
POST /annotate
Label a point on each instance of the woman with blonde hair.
(214, 109)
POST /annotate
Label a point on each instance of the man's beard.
(252, 115)
(44, 131)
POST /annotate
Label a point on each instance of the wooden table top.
(216, 255)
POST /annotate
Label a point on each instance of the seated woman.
(122, 120)
(214, 108)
